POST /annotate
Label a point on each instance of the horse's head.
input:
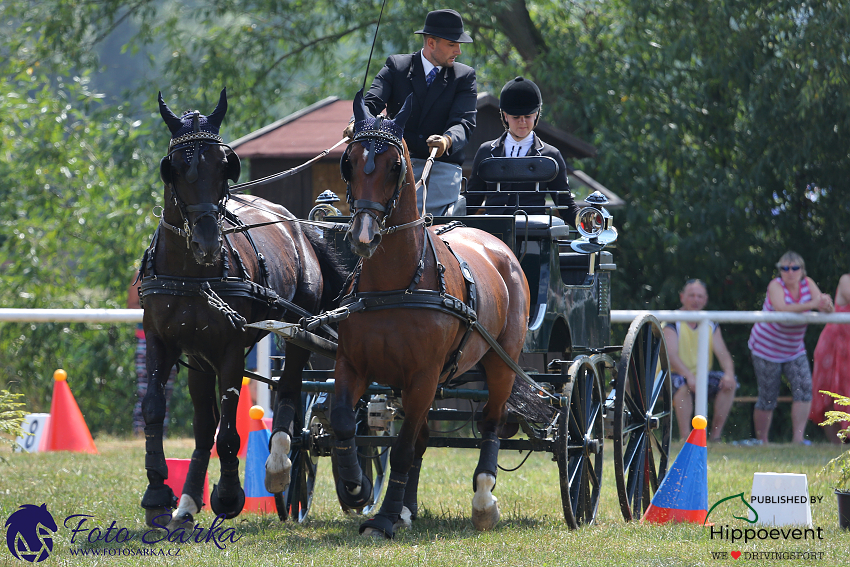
(375, 167)
(196, 171)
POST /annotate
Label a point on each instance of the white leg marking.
(485, 506)
(186, 510)
(278, 465)
(234, 390)
(404, 519)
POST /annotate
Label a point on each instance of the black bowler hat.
(446, 24)
(520, 97)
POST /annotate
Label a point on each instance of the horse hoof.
(230, 507)
(379, 526)
(485, 506)
(375, 534)
(186, 520)
(486, 519)
(405, 520)
(278, 465)
(161, 515)
(358, 499)
(184, 513)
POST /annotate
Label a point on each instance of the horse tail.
(334, 272)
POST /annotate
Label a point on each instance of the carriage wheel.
(578, 448)
(299, 495)
(643, 411)
(373, 460)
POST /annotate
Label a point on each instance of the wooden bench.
(754, 399)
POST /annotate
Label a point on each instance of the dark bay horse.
(413, 339)
(201, 280)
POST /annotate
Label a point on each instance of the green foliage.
(841, 463)
(12, 416)
(75, 209)
(724, 125)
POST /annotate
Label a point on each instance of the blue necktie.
(430, 78)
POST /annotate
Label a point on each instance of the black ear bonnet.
(191, 130)
(376, 134)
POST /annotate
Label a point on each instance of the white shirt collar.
(427, 65)
(518, 149)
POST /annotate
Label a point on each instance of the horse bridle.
(192, 143)
(376, 136)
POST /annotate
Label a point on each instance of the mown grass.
(532, 532)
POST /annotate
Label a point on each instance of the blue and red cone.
(257, 498)
(683, 494)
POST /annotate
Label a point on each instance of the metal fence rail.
(617, 316)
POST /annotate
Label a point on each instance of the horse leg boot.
(158, 499)
(384, 522)
(353, 488)
(192, 499)
(485, 507)
(410, 493)
(227, 496)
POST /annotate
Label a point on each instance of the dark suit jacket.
(447, 107)
(532, 203)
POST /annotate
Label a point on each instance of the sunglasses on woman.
(786, 268)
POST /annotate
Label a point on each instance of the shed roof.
(301, 135)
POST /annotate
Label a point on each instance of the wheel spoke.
(631, 450)
(636, 413)
(650, 465)
(636, 480)
(657, 390)
(660, 447)
(634, 389)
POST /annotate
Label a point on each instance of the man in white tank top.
(681, 338)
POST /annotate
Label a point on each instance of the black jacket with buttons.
(447, 107)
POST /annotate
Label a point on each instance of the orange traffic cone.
(683, 494)
(243, 420)
(257, 498)
(68, 430)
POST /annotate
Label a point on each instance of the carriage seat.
(538, 225)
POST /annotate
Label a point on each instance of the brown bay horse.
(420, 302)
(201, 280)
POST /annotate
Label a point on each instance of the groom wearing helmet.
(520, 104)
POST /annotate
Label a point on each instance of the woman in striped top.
(778, 349)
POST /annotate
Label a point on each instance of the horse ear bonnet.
(364, 121)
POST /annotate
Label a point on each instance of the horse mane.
(334, 272)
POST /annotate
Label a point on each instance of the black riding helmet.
(520, 97)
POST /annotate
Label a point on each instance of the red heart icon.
(735, 554)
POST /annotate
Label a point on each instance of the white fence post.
(701, 395)
(264, 368)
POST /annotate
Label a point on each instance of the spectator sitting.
(681, 339)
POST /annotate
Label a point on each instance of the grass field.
(109, 487)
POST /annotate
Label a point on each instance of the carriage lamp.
(591, 222)
(324, 206)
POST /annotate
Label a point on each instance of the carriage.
(574, 390)
(541, 313)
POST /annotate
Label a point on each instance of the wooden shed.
(303, 135)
